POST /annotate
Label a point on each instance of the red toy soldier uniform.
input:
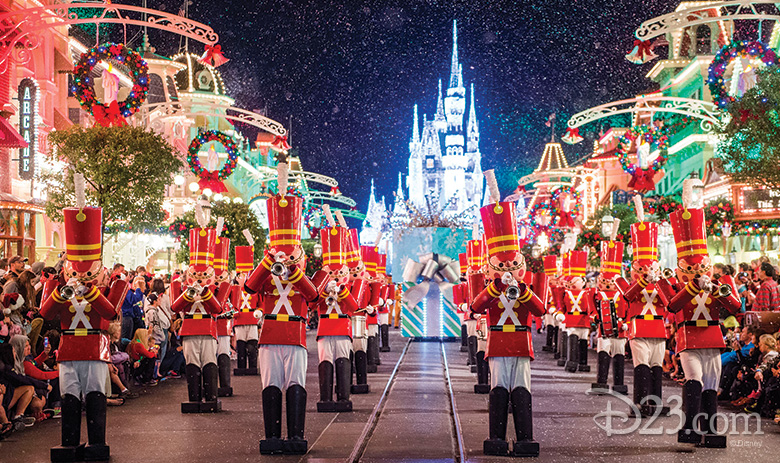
(246, 305)
(84, 314)
(370, 256)
(696, 307)
(509, 306)
(459, 297)
(578, 305)
(223, 320)
(646, 312)
(282, 347)
(609, 311)
(362, 293)
(475, 276)
(387, 297)
(335, 306)
(552, 324)
(199, 305)
(475, 257)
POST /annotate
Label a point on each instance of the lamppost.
(317, 250)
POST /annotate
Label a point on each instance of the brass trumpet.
(68, 292)
(193, 291)
(278, 269)
(330, 301)
(513, 292)
(667, 273)
(724, 290)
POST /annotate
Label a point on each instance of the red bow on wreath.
(642, 180)
(281, 143)
(642, 52)
(213, 56)
(565, 220)
(210, 180)
(108, 116)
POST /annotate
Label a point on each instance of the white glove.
(72, 282)
(381, 302)
(390, 302)
(652, 277)
(7, 311)
(258, 314)
(560, 317)
(705, 283)
(333, 287)
(507, 279)
(551, 310)
(370, 310)
(122, 276)
(624, 327)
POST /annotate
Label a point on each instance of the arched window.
(703, 37)
(156, 90)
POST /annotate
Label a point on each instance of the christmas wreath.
(566, 219)
(642, 179)
(208, 178)
(725, 56)
(111, 114)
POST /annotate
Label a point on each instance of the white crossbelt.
(701, 306)
(649, 302)
(283, 300)
(575, 302)
(78, 314)
(197, 308)
(246, 299)
(508, 312)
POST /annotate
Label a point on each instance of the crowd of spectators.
(144, 341)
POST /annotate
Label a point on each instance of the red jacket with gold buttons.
(646, 308)
(198, 312)
(245, 305)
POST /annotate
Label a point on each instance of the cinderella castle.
(445, 181)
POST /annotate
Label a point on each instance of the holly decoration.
(727, 54)
(208, 178)
(84, 86)
(716, 213)
(642, 179)
(663, 206)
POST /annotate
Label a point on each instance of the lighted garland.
(194, 160)
(575, 196)
(535, 228)
(724, 57)
(83, 84)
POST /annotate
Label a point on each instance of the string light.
(724, 57)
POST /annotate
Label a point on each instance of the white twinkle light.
(194, 187)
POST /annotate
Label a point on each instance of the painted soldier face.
(358, 272)
(204, 278)
(606, 284)
(90, 276)
(339, 274)
(222, 276)
(688, 269)
(642, 270)
(574, 283)
(294, 259)
(514, 265)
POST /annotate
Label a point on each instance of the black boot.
(272, 420)
(71, 448)
(563, 348)
(194, 389)
(96, 449)
(361, 376)
(251, 356)
(225, 390)
(295, 444)
(657, 375)
(464, 338)
(343, 366)
(371, 359)
(472, 360)
(642, 384)
(210, 403)
(583, 353)
(548, 345)
(241, 360)
(375, 352)
(498, 404)
(525, 445)
(618, 371)
(573, 360)
(600, 386)
(691, 431)
(326, 387)
(384, 330)
(709, 408)
(483, 384)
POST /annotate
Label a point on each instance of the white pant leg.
(510, 372)
(617, 346)
(223, 345)
(373, 330)
(384, 318)
(199, 350)
(604, 345)
(648, 351)
(581, 333)
(80, 377)
(331, 348)
(282, 366)
(246, 333)
(702, 365)
(471, 327)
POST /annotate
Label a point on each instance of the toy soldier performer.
(199, 304)
(697, 307)
(508, 306)
(552, 324)
(247, 318)
(225, 319)
(335, 306)
(646, 312)
(577, 302)
(609, 311)
(84, 313)
(285, 293)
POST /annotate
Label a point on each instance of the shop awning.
(9, 137)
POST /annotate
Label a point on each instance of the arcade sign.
(28, 112)
(755, 202)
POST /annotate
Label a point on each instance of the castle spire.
(456, 76)
(440, 119)
(400, 192)
(473, 126)
(416, 128)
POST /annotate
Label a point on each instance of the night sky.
(349, 74)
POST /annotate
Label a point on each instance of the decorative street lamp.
(536, 251)
(317, 250)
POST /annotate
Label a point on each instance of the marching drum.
(359, 327)
(608, 319)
